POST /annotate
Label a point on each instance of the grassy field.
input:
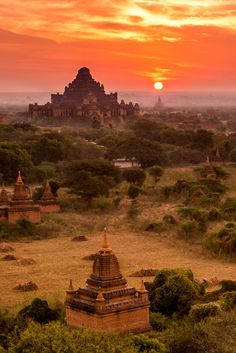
(59, 259)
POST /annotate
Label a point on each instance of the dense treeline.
(38, 151)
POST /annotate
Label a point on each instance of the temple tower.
(107, 303)
(48, 202)
(21, 204)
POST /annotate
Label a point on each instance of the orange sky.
(127, 44)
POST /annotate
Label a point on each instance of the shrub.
(39, 311)
(228, 300)
(155, 227)
(214, 185)
(173, 291)
(146, 344)
(158, 321)
(134, 175)
(156, 172)
(133, 191)
(199, 312)
(168, 219)
(222, 242)
(214, 215)
(102, 204)
(189, 229)
(25, 225)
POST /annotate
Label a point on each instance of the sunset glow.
(125, 43)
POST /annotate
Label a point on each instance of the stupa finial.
(105, 244)
(19, 179)
(71, 285)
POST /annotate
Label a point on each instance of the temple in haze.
(107, 303)
(84, 99)
(21, 206)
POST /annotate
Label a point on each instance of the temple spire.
(19, 179)
(71, 285)
(208, 160)
(105, 244)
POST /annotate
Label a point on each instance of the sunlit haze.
(127, 44)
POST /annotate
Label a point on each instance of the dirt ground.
(60, 259)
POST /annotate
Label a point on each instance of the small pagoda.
(48, 202)
(218, 158)
(209, 170)
(107, 303)
(21, 204)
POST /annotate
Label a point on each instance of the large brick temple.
(83, 99)
(107, 303)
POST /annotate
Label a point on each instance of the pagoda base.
(32, 213)
(134, 320)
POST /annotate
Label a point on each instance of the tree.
(173, 291)
(39, 311)
(147, 128)
(133, 191)
(12, 159)
(156, 172)
(134, 175)
(90, 179)
(147, 153)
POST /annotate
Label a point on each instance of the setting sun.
(158, 85)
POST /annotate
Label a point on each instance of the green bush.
(146, 344)
(39, 311)
(133, 191)
(173, 291)
(102, 204)
(199, 312)
(214, 215)
(222, 242)
(228, 300)
(158, 321)
(189, 229)
(134, 175)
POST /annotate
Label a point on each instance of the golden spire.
(71, 285)
(105, 244)
(19, 179)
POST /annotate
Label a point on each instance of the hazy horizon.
(144, 98)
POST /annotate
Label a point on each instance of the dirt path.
(60, 259)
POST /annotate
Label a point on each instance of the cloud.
(43, 43)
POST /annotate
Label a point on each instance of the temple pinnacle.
(19, 179)
(105, 240)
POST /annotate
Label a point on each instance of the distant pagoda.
(21, 204)
(83, 99)
(158, 106)
(107, 303)
(48, 202)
